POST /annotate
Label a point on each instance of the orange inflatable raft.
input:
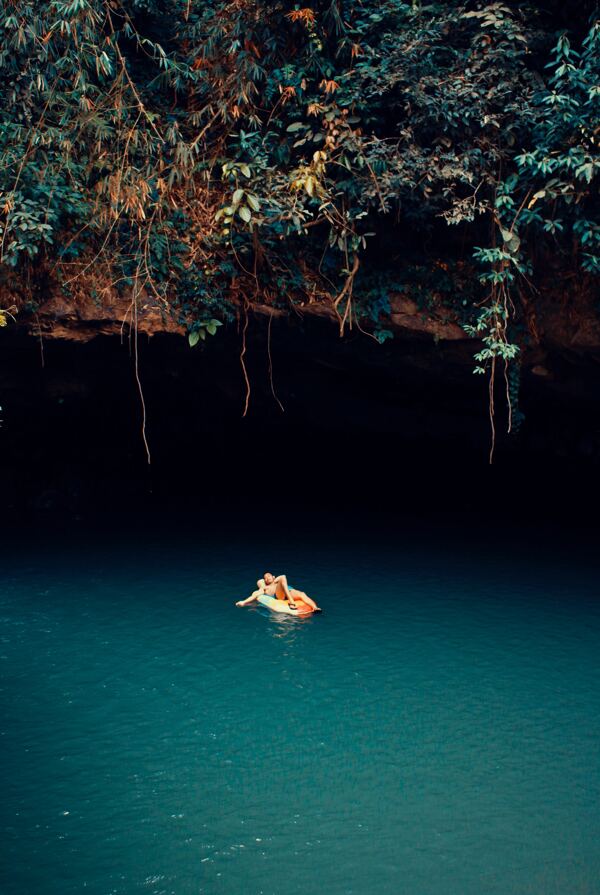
(277, 605)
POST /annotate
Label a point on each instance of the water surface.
(435, 731)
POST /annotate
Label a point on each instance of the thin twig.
(137, 374)
(271, 362)
(508, 401)
(491, 409)
(242, 361)
(39, 332)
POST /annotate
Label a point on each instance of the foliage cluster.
(213, 154)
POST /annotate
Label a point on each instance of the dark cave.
(399, 427)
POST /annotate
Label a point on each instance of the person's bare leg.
(249, 599)
(300, 595)
(286, 590)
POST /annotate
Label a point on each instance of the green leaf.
(296, 126)
(193, 338)
(511, 240)
(245, 213)
(238, 196)
(253, 202)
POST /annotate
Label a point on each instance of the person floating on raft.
(277, 586)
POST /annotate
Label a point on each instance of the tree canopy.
(208, 155)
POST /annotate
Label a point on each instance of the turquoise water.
(435, 731)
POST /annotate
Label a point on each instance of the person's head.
(268, 578)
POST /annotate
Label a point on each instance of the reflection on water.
(283, 626)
